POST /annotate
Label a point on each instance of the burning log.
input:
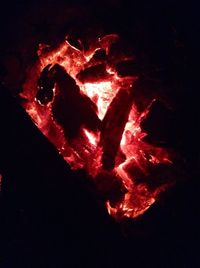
(93, 74)
(113, 126)
(99, 55)
(69, 108)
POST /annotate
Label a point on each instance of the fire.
(101, 93)
(88, 113)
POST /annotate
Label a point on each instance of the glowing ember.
(88, 112)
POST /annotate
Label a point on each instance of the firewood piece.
(113, 126)
(93, 74)
(70, 109)
(100, 54)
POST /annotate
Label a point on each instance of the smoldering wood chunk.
(159, 125)
(100, 54)
(99, 57)
(70, 109)
(128, 68)
(113, 126)
(93, 74)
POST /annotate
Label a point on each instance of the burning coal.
(85, 106)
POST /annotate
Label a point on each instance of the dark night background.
(49, 215)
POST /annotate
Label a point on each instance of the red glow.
(87, 149)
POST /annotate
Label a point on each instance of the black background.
(50, 216)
